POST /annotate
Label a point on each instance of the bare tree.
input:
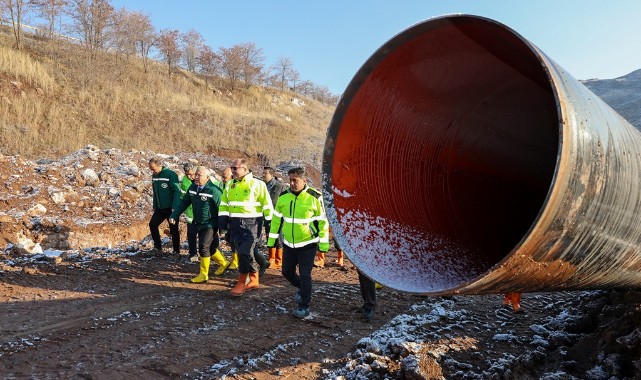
(294, 77)
(15, 10)
(49, 10)
(284, 72)
(91, 19)
(231, 60)
(123, 36)
(252, 62)
(170, 48)
(323, 95)
(305, 88)
(193, 43)
(145, 36)
(209, 63)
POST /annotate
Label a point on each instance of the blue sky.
(329, 40)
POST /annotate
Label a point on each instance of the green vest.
(184, 185)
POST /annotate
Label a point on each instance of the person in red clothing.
(513, 299)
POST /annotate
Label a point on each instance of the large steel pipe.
(461, 159)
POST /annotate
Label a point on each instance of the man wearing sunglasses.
(245, 203)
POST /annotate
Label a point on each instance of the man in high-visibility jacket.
(204, 197)
(166, 197)
(244, 204)
(299, 215)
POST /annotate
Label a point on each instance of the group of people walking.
(241, 208)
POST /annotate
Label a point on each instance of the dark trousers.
(157, 218)
(207, 241)
(192, 239)
(368, 291)
(246, 256)
(244, 233)
(304, 258)
(260, 246)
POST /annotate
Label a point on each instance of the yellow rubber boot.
(279, 258)
(204, 271)
(272, 257)
(222, 262)
(239, 289)
(378, 286)
(320, 260)
(234, 261)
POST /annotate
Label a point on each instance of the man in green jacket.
(299, 216)
(166, 196)
(192, 231)
(204, 197)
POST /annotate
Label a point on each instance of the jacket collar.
(302, 191)
(247, 177)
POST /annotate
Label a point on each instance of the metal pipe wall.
(461, 159)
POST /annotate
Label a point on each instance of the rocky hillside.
(92, 197)
(623, 94)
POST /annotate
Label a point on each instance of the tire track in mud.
(140, 317)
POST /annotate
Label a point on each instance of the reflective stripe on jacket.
(301, 219)
(166, 189)
(244, 198)
(205, 203)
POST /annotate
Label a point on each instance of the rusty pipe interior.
(441, 154)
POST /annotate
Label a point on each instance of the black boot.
(262, 261)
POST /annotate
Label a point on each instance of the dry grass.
(68, 99)
(22, 68)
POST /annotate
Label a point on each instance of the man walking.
(204, 197)
(300, 216)
(166, 196)
(192, 230)
(226, 176)
(244, 204)
(275, 188)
